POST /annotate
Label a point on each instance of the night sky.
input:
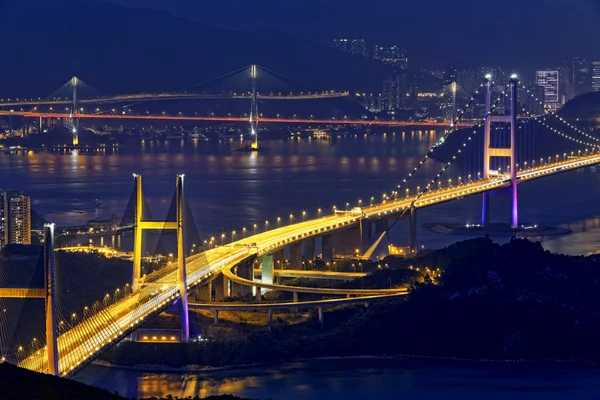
(434, 31)
(517, 34)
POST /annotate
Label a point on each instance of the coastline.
(158, 368)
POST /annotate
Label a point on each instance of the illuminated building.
(549, 80)
(582, 76)
(596, 76)
(392, 55)
(358, 46)
(354, 46)
(15, 218)
(341, 44)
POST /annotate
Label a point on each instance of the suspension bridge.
(69, 105)
(228, 269)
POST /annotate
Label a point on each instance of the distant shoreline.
(158, 368)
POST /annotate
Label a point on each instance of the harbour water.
(362, 378)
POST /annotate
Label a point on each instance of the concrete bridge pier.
(204, 292)
(327, 247)
(267, 264)
(295, 297)
(296, 256)
(221, 286)
(347, 241)
(413, 230)
(216, 316)
(366, 233)
(309, 249)
(243, 270)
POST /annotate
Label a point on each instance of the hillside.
(118, 49)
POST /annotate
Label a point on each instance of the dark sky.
(513, 33)
(434, 31)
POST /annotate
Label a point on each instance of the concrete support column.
(296, 256)
(221, 286)
(181, 267)
(365, 234)
(327, 247)
(267, 266)
(137, 234)
(413, 230)
(309, 249)
(216, 316)
(321, 317)
(295, 297)
(204, 292)
(347, 241)
(49, 289)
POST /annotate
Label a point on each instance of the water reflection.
(361, 378)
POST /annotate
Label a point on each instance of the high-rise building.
(596, 76)
(582, 76)
(549, 80)
(359, 46)
(341, 44)
(392, 55)
(15, 218)
(395, 93)
(354, 46)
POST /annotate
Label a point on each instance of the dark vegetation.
(511, 301)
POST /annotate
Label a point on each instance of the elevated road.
(183, 118)
(80, 344)
(172, 96)
(332, 275)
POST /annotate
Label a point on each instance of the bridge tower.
(48, 293)
(50, 300)
(140, 225)
(254, 110)
(454, 89)
(489, 152)
(73, 116)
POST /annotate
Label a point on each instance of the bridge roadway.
(80, 344)
(301, 273)
(183, 118)
(174, 96)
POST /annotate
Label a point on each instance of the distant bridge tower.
(489, 152)
(141, 225)
(254, 110)
(454, 89)
(48, 293)
(73, 116)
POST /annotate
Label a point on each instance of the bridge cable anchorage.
(439, 175)
(553, 113)
(452, 128)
